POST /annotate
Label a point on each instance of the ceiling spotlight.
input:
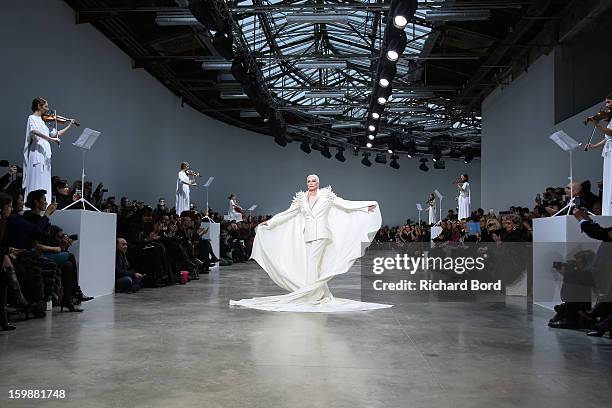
(325, 152)
(340, 156)
(390, 150)
(365, 161)
(423, 167)
(394, 164)
(305, 146)
(375, 115)
(440, 165)
(402, 10)
(381, 100)
(400, 22)
(381, 158)
(316, 145)
(397, 45)
(369, 145)
(392, 55)
(371, 128)
(384, 82)
(411, 148)
(437, 154)
(371, 137)
(469, 156)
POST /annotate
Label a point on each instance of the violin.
(58, 119)
(605, 114)
(192, 173)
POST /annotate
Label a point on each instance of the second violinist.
(37, 149)
(606, 142)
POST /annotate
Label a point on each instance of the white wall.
(146, 133)
(518, 158)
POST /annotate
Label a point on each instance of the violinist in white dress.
(234, 212)
(183, 183)
(37, 150)
(431, 204)
(318, 237)
(606, 142)
(464, 197)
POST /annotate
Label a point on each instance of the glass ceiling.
(280, 46)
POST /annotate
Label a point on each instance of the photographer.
(601, 267)
(10, 183)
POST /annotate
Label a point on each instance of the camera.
(74, 237)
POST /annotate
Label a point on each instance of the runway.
(183, 346)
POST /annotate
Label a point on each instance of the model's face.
(312, 183)
(462, 177)
(20, 204)
(42, 203)
(44, 108)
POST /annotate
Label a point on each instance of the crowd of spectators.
(154, 246)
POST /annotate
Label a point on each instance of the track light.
(381, 158)
(440, 165)
(437, 154)
(469, 156)
(423, 166)
(365, 161)
(316, 145)
(371, 137)
(375, 115)
(325, 152)
(394, 164)
(390, 150)
(340, 155)
(381, 100)
(401, 11)
(371, 128)
(411, 148)
(397, 45)
(305, 146)
(369, 145)
(387, 73)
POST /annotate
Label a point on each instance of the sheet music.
(87, 139)
(251, 208)
(419, 207)
(564, 141)
(209, 182)
(438, 194)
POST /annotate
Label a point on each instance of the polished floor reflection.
(182, 346)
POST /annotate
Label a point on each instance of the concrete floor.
(182, 346)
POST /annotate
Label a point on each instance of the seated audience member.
(56, 251)
(126, 279)
(8, 277)
(62, 194)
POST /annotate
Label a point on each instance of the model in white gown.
(318, 237)
(606, 142)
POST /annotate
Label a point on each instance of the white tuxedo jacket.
(316, 225)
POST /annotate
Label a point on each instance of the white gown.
(432, 214)
(182, 192)
(233, 215)
(464, 202)
(304, 268)
(606, 199)
(37, 159)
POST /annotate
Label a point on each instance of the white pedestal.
(557, 239)
(95, 248)
(213, 233)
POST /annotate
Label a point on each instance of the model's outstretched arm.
(282, 217)
(347, 205)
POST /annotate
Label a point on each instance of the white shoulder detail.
(328, 193)
(298, 199)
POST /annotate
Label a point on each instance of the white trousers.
(314, 255)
